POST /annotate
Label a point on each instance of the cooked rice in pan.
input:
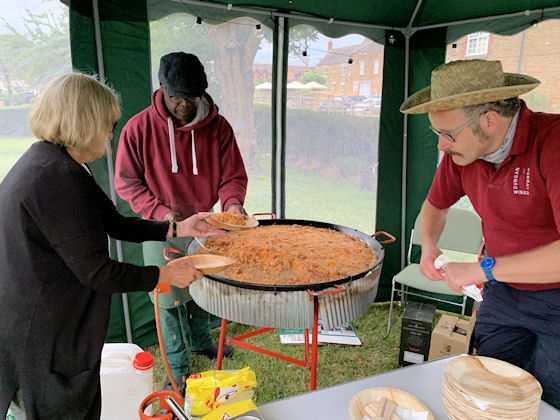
(292, 255)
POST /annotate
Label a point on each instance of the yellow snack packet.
(213, 388)
(230, 411)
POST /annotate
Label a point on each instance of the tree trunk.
(235, 47)
(8, 80)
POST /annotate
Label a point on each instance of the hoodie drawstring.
(174, 167)
(194, 164)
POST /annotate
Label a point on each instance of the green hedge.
(14, 122)
(347, 143)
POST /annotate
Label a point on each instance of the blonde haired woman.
(56, 276)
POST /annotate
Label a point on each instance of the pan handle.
(272, 215)
(388, 241)
(337, 289)
(174, 250)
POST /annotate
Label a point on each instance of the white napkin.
(471, 291)
(405, 414)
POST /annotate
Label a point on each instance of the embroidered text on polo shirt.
(521, 181)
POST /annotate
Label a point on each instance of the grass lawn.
(11, 148)
(310, 196)
(335, 363)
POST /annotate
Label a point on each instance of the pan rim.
(371, 241)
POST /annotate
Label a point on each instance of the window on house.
(365, 87)
(325, 71)
(343, 70)
(343, 86)
(376, 67)
(477, 43)
(362, 68)
(355, 87)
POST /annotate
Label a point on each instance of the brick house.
(362, 76)
(534, 52)
(262, 72)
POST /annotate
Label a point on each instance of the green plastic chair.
(462, 233)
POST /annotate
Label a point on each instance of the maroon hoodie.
(161, 166)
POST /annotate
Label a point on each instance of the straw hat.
(462, 83)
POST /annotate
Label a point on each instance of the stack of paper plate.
(476, 387)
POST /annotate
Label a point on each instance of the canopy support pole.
(405, 151)
(279, 115)
(109, 157)
(407, 34)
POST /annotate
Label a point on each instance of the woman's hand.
(179, 273)
(196, 226)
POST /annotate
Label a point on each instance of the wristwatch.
(487, 264)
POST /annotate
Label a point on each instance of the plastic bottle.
(126, 379)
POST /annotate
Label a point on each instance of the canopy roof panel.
(336, 18)
(394, 13)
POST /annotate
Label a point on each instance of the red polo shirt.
(519, 203)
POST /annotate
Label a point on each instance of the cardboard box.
(416, 332)
(451, 335)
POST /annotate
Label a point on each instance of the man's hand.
(457, 275)
(236, 209)
(196, 226)
(427, 267)
(173, 216)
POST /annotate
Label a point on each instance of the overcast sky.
(315, 52)
(14, 10)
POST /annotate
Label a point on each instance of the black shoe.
(180, 380)
(212, 351)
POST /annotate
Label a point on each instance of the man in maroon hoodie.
(176, 158)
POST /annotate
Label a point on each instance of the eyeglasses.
(451, 136)
(193, 100)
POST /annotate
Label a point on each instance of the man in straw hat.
(504, 157)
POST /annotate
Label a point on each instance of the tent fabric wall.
(428, 26)
(126, 58)
(389, 182)
(427, 51)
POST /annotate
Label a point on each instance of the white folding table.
(422, 380)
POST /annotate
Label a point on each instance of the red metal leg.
(223, 328)
(257, 349)
(313, 382)
(236, 341)
(306, 341)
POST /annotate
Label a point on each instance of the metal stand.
(237, 341)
